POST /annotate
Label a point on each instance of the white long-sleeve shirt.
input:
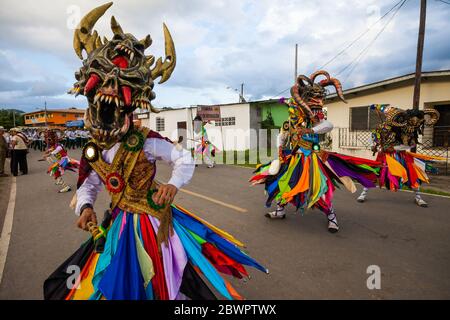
(155, 149)
(322, 127)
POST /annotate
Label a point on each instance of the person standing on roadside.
(3, 152)
(19, 144)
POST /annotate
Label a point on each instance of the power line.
(365, 50)
(444, 2)
(355, 40)
(360, 36)
(275, 96)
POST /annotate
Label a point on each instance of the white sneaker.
(420, 202)
(277, 214)
(361, 198)
(333, 227)
(65, 189)
(210, 166)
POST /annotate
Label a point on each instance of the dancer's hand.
(302, 131)
(87, 215)
(165, 195)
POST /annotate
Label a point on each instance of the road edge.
(5, 236)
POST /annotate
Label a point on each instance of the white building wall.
(233, 137)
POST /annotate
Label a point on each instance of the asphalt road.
(411, 245)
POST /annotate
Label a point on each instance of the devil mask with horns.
(116, 76)
(400, 126)
(309, 95)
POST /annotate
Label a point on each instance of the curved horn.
(434, 116)
(115, 26)
(146, 42)
(318, 73)
(336, 84)
(165, 69)
(297, 98)
(304, 78)
(82, 37)
(393, 115)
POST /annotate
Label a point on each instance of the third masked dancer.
(393, 139)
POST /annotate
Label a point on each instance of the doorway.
(182, 132)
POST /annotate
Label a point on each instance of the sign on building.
(209, 113)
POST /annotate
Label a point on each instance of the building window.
(362, 118)
(159, 124)
(63, 115)
(229, 121)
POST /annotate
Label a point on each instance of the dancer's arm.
(322, 127)
(86, 196)
(182, 167)
(88, 191)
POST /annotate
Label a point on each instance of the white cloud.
(220, 44)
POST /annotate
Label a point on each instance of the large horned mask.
(310, 95)
(116, 76)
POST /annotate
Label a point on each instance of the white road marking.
(7, 227)
(221, 203)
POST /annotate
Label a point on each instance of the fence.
(354, 139)
(437, 145)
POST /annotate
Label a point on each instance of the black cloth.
(193, 285)
(55, 287)
(19, 160)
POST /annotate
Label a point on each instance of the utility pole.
(420, 42)
(45, 108)
(296, 62)
(242, 93)
(14, 118)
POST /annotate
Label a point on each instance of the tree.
(7, 118)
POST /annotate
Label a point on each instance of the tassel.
(73, 202)
(165, 227)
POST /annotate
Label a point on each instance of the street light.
(241, 94)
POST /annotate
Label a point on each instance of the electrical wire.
(360, 36)
(401, 2)
(366, 49)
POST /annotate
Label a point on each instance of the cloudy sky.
(220, 44)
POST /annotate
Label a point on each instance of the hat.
(1, 128)
(16, 129)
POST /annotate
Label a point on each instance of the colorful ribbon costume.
(59, 160)
(204, 149)
(393, 140)
(304, 175)
(141, 250)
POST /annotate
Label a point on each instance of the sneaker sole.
(268, 216)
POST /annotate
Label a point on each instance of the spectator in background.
(72, 138)
(3, 152)
(19, 145)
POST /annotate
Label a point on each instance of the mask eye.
(117, 37)
(139, 47)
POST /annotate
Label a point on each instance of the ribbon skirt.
(404, 168)
(309, 180)
(134, 267)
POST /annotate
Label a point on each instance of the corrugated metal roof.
(396, 80)
(80, 111)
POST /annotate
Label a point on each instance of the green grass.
(247, 158)
(430, 191)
